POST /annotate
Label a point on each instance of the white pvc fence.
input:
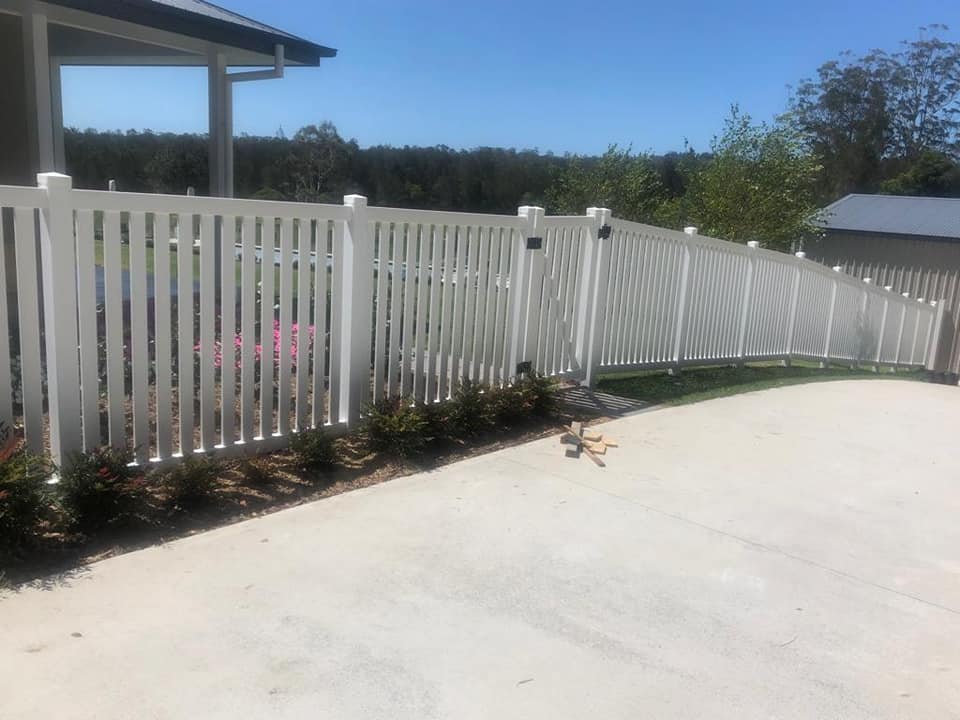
(174, 325)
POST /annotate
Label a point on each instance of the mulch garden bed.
(252, 488)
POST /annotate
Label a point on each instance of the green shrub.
(508, 404)
(530, 395)
(397, 426)
(24, 498)
(436, 419)
(313, 449)
(191, 482)
(100, 487)
(539, 394)
(254, 472)
(469, 411)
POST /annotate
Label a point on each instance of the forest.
(886, 121)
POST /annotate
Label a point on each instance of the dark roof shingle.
(206, 21)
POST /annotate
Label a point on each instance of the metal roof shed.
(38, 38)
(928, 217)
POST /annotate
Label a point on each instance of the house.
(38, 38)
(910, 244)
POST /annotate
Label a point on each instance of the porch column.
(56, 106)
(220, 126)
(36, 63)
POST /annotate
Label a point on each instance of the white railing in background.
(180, 324)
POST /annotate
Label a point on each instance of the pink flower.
(258, 348)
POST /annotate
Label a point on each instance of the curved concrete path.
(793, 553)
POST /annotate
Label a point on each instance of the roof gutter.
(273, 74)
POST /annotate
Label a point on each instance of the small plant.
(508, 404)
(313, 449)
(539, 393)
(470, 410)
(397, 427)
(100, 486)
(254, 472)
(24, 498)
(191, 482)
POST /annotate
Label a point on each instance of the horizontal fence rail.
(174, 325)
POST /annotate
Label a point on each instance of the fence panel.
(216, 325)
(439, 313)
(191, 298)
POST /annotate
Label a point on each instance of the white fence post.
(862, 322)
(903, 319)
(526, 278)
(679, 337)
(794, 303)
(933, 349)
(356, 310)
(830, 318)
(591, 295)
(745, 310)
(59, 271)
(883, 327)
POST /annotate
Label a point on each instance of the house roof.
(895, 215)
(205, 21)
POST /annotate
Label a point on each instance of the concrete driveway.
(787, 554)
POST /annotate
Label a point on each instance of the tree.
(626, 183)
(932, 174)
(924, 80)
(844, 116)
(319, 164)
(862, 116)
(759, 185)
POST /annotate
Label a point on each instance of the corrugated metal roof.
(895, 214)
(206, 21)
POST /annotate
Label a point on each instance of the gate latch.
(534, 243)
(604, 232)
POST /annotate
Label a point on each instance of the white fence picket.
(304, 245)
(268, 298)
(186, 314)
(89, 355)
(137, 243)
(116, 350)
(248, 326)
(162, 350)
(28, 303)
(228, 329)
(318, 403)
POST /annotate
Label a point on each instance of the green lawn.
(125, 264)
(703, 383)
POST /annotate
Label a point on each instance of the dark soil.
(251, 488)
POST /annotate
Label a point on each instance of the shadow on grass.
(694, 384)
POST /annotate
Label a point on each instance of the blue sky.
(559, 76)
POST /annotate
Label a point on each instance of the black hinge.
(534, 243)
(525, 368)
(604, 232)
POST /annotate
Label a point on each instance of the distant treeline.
(318, 165)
